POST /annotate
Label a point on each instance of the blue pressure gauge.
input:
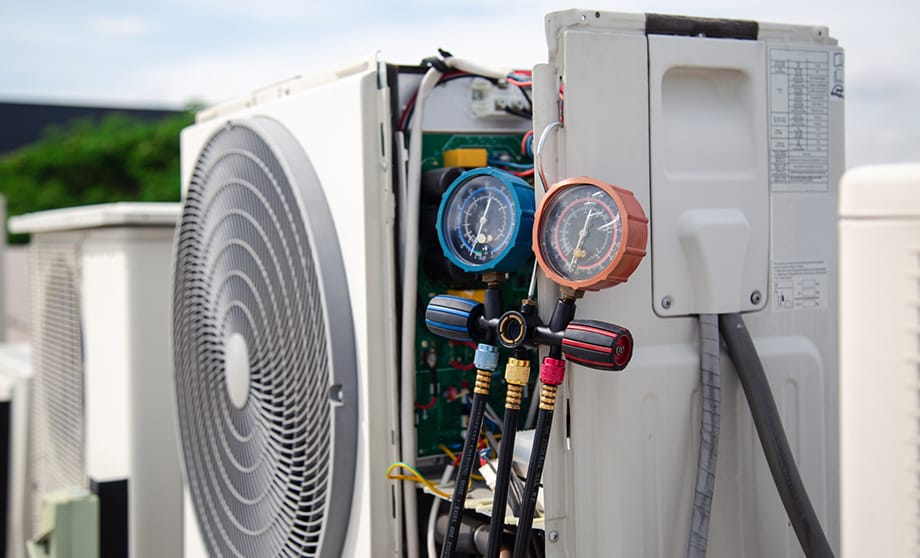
(485, 221)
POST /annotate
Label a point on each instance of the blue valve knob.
(454, 317)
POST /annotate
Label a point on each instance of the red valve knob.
(597, 345)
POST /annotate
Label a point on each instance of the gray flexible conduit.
(710, 391)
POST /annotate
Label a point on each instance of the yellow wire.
(417, 477)
(450, 454)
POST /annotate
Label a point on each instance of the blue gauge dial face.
(583, 232)
(478, 220)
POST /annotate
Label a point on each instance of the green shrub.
(116, 158)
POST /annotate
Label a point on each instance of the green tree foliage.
(116, 158)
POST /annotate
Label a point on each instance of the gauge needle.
(606, 226)
(578, 252)
(482, 222)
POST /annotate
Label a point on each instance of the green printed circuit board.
(444, 369)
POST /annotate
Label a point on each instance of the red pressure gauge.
(589, 235)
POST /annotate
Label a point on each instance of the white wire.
(532, 291)
(433, 514)
(409, 301)
(463, 65)
(538, 156)
(493, 416)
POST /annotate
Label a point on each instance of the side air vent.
(58, 417)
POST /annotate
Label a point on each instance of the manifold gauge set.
(587, 235)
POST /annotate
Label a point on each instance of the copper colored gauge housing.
(588, 234)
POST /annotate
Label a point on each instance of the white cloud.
(125, 27)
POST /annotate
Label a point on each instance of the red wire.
(522, 174)
(524, 142)
(459, 365)
(428, 405)
(520, 83)
(523, 72)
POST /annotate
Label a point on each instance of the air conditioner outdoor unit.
(286, 299)
(879, 273)
(723, 130)
(15, 399)
(102, 408)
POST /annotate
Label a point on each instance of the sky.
(166, 53)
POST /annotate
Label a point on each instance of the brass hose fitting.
(548, 397)
(517, 374)
(483, 381)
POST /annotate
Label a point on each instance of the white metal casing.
(15, 390)
(341, 122)
(123, 254)
(879, 272)
(620, 470)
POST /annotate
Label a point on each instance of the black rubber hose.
(502, 480)
(531, 489)
(458, 499)
(773, 437)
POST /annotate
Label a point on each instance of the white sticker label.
(800, 88)
(800, 285)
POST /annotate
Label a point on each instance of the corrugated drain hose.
(710, 392)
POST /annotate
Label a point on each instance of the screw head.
(756, 297)
(553, 536)
(666, 302)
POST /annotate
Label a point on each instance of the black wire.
(502, 480)
(526, 95)
(457, 501)
(519, 113)
(531, 489)
(772, 436)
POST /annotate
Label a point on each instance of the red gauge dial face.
(588, 234)
(583, 232)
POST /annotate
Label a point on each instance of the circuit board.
(442, 417)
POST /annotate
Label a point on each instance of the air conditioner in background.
(879, 325)
(102, 410)
(15, 399)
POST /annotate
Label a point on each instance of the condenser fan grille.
(264, 350)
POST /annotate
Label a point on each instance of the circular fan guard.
(270, 469)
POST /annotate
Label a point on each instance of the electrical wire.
(527, 144)
(494, 161)
(493, 416)
(435, 507)
(409, 109)
(525, 114)
(409, 302)
(710, 395)
(772, 436)
(453, 457)
(415, 477)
